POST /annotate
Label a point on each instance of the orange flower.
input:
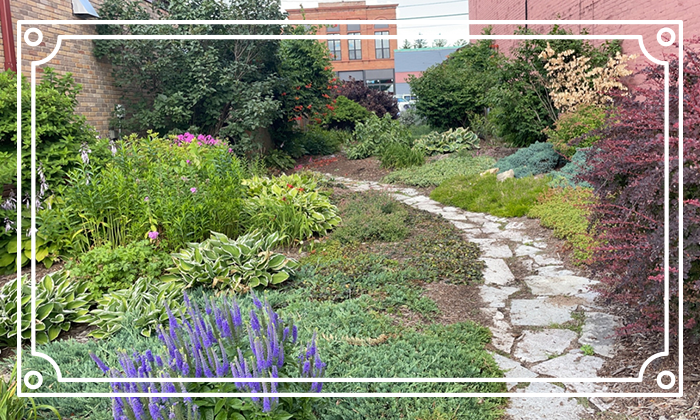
(308, 86)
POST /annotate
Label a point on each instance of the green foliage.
(346, 114)
(221, 87)
(450, 91)
(437, 172)
(572, 129)
(370, 217)
(452, 140)
(399, 155)
(59, 302)
(410, 118)
(316, 142)
(567, 176)
(588, 350)
(290, 205)
(106, 268)
(247, 261)
(47, 248)
(567, 212)
(59, 130)
(279, 159)
(485, 194)
(538, 158)
(146, 300)
(13, 407)
(374, 135)
(178, 188)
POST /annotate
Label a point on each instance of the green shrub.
(370, 217)
(279, 159)
(567, 212)
(567, 175)
(346, 114)
(372, 136)
(59, 302)
(538, 158)
(220, 262)
(59, 129)
(485, 194)
(146, 300)
(106, 268)
(571, 130)
(452, 140)
(180, 188)
(416, 123)
(398, 156)
(317, 141)
(435, 173)
(290, 205)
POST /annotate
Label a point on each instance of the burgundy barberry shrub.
(627, 172)
(374, 100)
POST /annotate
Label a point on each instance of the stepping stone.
(417, 199)
(539, 346)
(497, 272)
(462, 226)
(490, 227)
(553, 271)
(501, 337)
(496, 251)
(453, 215)
(544, 408)
(496, 296)
(539, 312)
(557, 285)
(486, 241)
(542, 260)
(523, 250)
(495, 218)
(571, 365)
(599, 332)
(515, 225)
(512, 369)
(409, 192)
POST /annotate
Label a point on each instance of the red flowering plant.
(627, 171)
(306, 76)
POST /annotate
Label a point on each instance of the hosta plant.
(147, 300)
(452, 140)
(233, 264)
(291, 205)
(59, 302)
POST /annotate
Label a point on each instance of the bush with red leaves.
(627, 172)
(374, 100)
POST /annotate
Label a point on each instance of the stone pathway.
(542, 331)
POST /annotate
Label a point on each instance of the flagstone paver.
(524, 329)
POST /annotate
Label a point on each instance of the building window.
(381, 46)
(381, 25)
(332, 28)
(354, 27)
(354, 47)
(334, 47)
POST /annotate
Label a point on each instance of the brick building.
(686, 10)
(369, 60)
(99, 96)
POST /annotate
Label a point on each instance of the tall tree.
(406, 45)
(420, 43)
(438, 43)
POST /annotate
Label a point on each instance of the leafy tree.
(460, 43)
(452, 90)
(438, 43)
(406, 45)
(220, 87)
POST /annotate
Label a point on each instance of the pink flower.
(153, 235)
(193, 190)
(146, 199)
(230, 150)
(188, 161)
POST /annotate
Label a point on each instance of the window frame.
(382, 51)
(355, 48)
(336, 42)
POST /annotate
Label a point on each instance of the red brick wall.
(355, 10)
(686, 10)
(98, 96)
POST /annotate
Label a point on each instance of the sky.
(409, 10)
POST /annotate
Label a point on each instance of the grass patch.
(566, 212)
(485, 194)
(369, 217)
(436, 172)
(398, 156)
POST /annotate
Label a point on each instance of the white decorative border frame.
(38, 381)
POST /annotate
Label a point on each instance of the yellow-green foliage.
(485, 194)
(566, 211)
